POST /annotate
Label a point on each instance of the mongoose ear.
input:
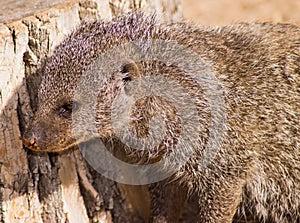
(130, 71)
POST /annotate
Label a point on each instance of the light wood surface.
(11, 10)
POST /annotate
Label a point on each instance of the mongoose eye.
(130, 70)
(67, 109)
(127, 78)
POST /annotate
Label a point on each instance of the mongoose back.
(254, 174)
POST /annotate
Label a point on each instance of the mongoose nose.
(30, 143)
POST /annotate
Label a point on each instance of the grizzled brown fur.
(256, 173)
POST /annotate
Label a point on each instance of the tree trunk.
(38, 187)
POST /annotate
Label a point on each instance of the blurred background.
(220, 12)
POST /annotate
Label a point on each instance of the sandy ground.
(220, 12)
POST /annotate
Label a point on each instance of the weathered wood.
(37, 187)
(11, 10)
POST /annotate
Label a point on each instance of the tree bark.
(41, 187)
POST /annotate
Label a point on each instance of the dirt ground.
(220, 12)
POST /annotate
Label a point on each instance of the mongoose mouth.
(33, 145)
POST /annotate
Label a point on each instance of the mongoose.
(255, 172)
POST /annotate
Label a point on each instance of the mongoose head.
(51, 130)
(53, 126)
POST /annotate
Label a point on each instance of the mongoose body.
(254, 174)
